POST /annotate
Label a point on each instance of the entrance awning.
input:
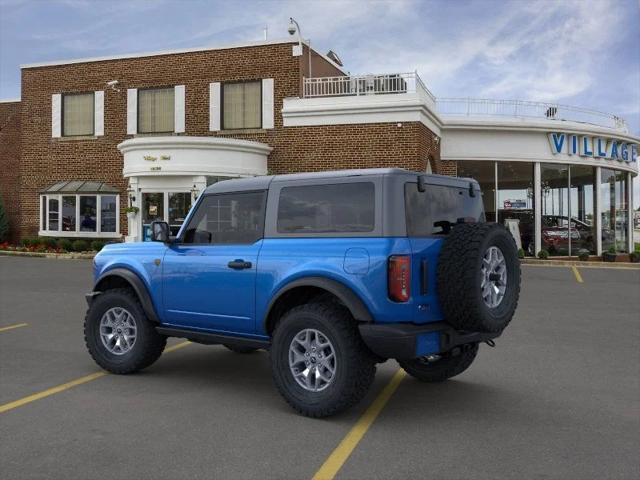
(80, 186)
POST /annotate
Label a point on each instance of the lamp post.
(293, 28)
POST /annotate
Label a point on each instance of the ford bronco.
(331, 272)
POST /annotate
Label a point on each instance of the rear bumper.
(407, 340)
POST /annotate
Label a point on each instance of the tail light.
(399, 278)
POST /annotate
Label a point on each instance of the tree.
(4, 223)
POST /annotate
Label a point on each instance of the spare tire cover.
(478, 277)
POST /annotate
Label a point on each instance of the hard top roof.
(263, 182)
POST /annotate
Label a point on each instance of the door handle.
(238, 264)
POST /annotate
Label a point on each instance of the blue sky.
(578, 52)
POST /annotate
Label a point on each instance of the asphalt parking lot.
(558, 398)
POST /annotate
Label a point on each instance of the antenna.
(266, 32)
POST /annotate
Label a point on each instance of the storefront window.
(582, 205)
(108, 213)
(515, 202)
(88, 212)
(485, 174)
(615, 210)
(54, 212)
(555, 208)
(69, 213)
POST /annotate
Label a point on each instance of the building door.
(170, 207)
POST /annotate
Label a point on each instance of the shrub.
(97, 245)
(583, 254)
(48, 242)
(28, 242)
(4, 223)
(65, 244)
(520, 253)
(543, 254)
(635, 257)
(611, 249)
(80, 246)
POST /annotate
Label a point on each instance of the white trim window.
(79, 114)
(242, 105)
(86, 215)
(156, 110)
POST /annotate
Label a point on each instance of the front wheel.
(118, 334)
(319, 363)
(440, 369)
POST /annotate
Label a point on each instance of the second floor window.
(242, 105)
(77, 114)
(156, 110)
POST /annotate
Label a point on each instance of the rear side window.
(336, 208)
(234, 218)
(429, 212)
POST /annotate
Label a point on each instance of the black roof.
(80, 186)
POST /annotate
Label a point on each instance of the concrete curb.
(60, 256)
(577, 263)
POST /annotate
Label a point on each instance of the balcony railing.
(520, 108)
(356, 85)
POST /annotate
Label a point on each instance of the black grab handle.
(238, 264)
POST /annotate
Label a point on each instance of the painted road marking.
(577, 274)
(11, 327)
(66, 386)
(340, 455)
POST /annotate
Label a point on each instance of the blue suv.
(332, 272)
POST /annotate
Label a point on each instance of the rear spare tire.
(479, 277)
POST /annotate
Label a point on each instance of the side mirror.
(160, 232)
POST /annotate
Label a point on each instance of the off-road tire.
(355, 366)
(450, 365)
(459, 277)
(239, 349)
(148, 346)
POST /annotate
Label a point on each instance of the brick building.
(91, 137)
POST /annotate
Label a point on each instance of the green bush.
(65, 244)
(28, 242)
(97, 245)
(48, 242)
(611, 249)
(520, 253)
(635, 257)
(4, 223)
(80, 246)
(543, 254)
(583, 254)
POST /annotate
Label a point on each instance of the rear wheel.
(438, 368)
(319, 363)
(118, 334)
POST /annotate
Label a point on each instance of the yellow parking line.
(65, 386)
(11, 327)
(577, 274)
(340, 455)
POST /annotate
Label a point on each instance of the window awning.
(80, 186)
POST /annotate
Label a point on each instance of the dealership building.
(90, 138)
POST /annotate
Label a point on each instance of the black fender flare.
(347, 296)
(138, 287)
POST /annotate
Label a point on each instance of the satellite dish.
(334, 57)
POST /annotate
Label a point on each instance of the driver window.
(234, 218)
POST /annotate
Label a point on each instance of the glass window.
(555, 208)
(77, 114)
(614, 211)
(69, 213)
(108, 218)
(437, 208)
(156, 110)
(485, 174)
(236, 218)
(179, 205)
(88, 210)
(582, 209)
(152, 207)
(515, 201)
(338, 208)
(54, 213)
(242, 105)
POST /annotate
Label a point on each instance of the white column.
(598, 213)
(537, 214)
(134, 222)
